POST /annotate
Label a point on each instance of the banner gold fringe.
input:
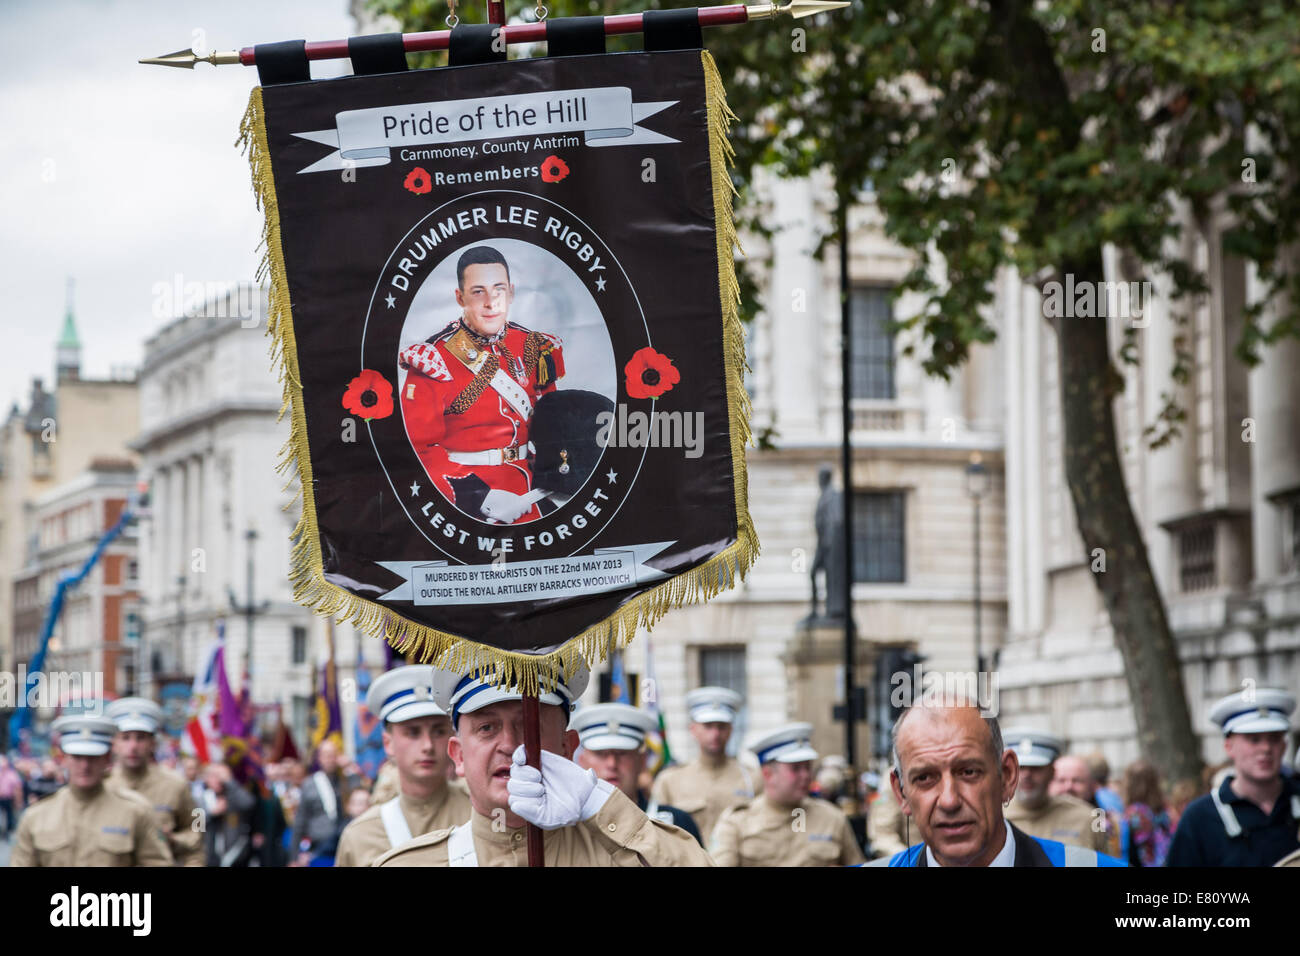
(427, 644)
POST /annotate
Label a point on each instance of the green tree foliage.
(997, 133)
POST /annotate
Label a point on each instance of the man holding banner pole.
(423, 522)
(586, 821)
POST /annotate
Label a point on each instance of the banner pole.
(615, 25)
(533, 756)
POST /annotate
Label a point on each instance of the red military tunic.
(471, 398)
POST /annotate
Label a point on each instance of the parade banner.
(504, 305)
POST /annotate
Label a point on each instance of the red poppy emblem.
(554, 169)
(650, 374)
(418, 181)
(369, 396)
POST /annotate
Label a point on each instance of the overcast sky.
(123, 175)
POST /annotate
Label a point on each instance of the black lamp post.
(178, 649)
(977, 486)
(251, 609)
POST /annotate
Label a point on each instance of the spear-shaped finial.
(187, 59)
(795, 8)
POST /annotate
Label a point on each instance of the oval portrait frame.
(440, 522)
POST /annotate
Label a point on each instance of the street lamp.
(251, 537)
(977, 486)
(251, 609)
(178, 649)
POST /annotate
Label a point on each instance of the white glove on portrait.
(559, 795)
(505, 507)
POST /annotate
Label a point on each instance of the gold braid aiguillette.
(469, 395)
(537, 351)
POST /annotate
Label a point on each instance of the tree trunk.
(1022, 54)
(1109, 529)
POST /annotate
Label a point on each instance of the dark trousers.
(7, 808)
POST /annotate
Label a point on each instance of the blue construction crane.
(23, 714)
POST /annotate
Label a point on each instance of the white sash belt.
(1231, 825)
(395, 825)
(460, 846)
(513, 393)
(328, 798)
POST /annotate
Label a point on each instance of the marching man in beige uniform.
(785, 826)
(711, 782)
(887, 827)
(587, 822)
(87, 823)
(1035, 811)
(416, 731)
(613, 747)
(137, 721)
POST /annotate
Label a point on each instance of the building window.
(1290, 515)
(300, 723)
(723, 667)
(1294, 525)
(131, 628)
(299, 645)
(873, 343)
(878, 540)
(1196, 557)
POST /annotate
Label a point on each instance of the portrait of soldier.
(470, 393)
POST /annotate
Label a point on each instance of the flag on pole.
(201, 739)
(328, 718)
(285, 747)
(659, 755)
(232, 723)
(228, 721)
(626, 346)
(368, 736)
(252, 765)
(618, 690)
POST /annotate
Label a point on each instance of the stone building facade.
(44, 447)
(913, 438)
(209, 442)
(97, 629)
(1219, 510)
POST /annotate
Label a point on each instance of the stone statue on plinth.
(829, 556)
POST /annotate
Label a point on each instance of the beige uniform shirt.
(885, 825)
(705, 791)
(1062, 818)
(619, 835)
(101, 827)
(387, 783)
(365, 840)
(763, 833)
(173, 807)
